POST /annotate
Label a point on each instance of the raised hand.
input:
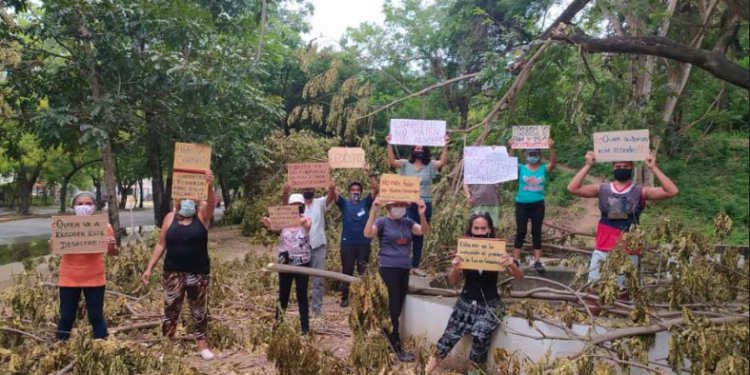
(507, 262)
(209, 177)
(266, 222)
(651, 160)
(447, 139)
(551, 143)
(287, 188)
(388, 139)
(367, 168)
(422, 207)
(456, 262)
(377, 204)
(590, 158)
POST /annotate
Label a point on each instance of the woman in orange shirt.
(84, 273)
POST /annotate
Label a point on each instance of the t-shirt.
(620, 210)
(395, 242)
(354, 217)
(484, 195)
(425, 174)
(531, 185)
(296, 243)
(478, 287)
(84, 270)
(317, 213)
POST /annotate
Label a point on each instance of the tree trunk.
(25, 185)
(224, 188)
(649, 68)
(140, 190)
(98, 186)
(263, 16)
(157, 179)
(123, 195)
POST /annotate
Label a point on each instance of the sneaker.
(418, 273)
(539, 267)
(206, 355)
(344, 303)
(405, 357)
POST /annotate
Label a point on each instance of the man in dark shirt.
(355, 248)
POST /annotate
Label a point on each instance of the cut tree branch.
(714, 63)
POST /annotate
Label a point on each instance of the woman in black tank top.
(184, 237)
(479, 309)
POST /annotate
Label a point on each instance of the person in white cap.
(294, 250)
(396, 233)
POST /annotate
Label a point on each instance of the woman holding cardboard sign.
(294, 250)
(84, 273)
(420, 164)
(184, 237)
(396, 233)
(479, 310)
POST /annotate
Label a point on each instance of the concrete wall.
(427, 317)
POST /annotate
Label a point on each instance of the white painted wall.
(427, 317)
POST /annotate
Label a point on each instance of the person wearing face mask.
(315, 209)
(184, 237)
(355, 248)
(294, 250)
(396, 232)
(84, 274)
(419, 164)
(530, 205)
(479, 309)
(621, 203)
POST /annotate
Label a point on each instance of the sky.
(333, 17)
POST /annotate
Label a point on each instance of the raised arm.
(552, 157)
(668, 188)
(391, 155)
(512, 269)
(510, 148)
(333, 195)
(455, 276)
(207, 212)
(161, 245)
(444, 155)
(112, 248)
(576, 186)
(423, 228)
(371, 231)
(373, 181)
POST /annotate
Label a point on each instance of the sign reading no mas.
(633, 145)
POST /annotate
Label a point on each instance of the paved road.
(22, 231)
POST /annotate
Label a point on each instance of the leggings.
(525, 212)
(176, 285)
(69, 298)
(397, 282)
(418, 241)
(353, 256)
(285, 292)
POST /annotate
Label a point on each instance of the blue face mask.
(187, 208)
(534, 159)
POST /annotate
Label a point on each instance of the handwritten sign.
(398, 188)
(418, 132)
(309, 175)
(284, 217)
(633, 145)
(346, 158)
(525, 137)
(482, 254)
(489, 166)
(79, 234)
(191, 161)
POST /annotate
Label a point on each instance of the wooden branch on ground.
(144, 325)
(716, 64)
(570, 231)
(67, 368)
(24, 333)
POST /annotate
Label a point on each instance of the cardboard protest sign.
(489, 165)
(284, 217)
(525, 137)
(633, 145)
(482, 254)
(346, 158)
(418, 132)
(309, 175)
(398, 188)
(191, 162)
(79, 234)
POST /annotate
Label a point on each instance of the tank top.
(187, 248)
(84, 270)
(531, 184)
(620, 211)
(478, 287)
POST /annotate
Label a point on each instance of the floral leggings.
(176, 285)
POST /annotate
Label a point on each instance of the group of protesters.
(400, 232)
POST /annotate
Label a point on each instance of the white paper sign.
(489, 165)
(632, 145)
(418, 132)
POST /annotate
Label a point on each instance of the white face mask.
(398, 212)
(84, 210)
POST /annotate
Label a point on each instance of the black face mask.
(623, 175)
(308, 195)
(301, 210)
(418, 155)
(488, 235)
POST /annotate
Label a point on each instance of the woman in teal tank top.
(530, 206)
